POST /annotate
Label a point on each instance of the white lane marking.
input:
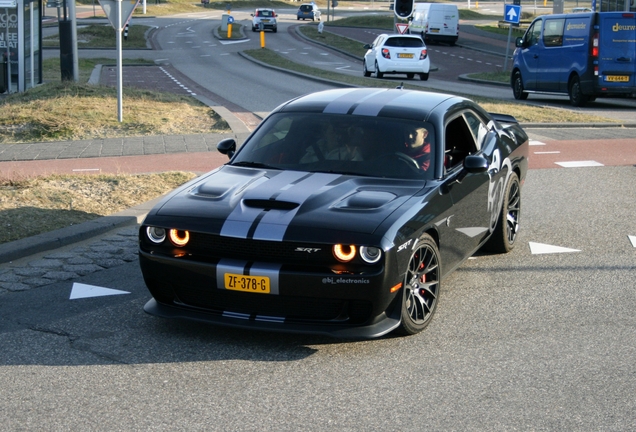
(548, 152)
(86, 169)
(632, 239)
(579, 164)
(536, 143)
(234, 42)
(541, 248)
(86, 291)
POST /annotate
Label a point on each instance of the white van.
(435, 22)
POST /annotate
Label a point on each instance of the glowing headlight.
(344, 253)
(155, 234)
(179, 237)
(370, 255)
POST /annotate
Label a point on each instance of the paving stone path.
(115, 249)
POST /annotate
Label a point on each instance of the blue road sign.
(512, 13)
(230, 19)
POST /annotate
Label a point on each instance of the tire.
(275, 29)
(577, 98)
(505, 233)
(378, 74)
(253, 29)
(517, 87)
(410, 75)
(365, 71)
(424, 76)
(421, 287)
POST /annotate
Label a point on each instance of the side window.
(458, 142)
(532, 35)
(553, 32)
(477, 127)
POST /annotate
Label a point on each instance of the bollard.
(262, 38)
(229, 31)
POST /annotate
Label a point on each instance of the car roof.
(410, 36)
(396, 103)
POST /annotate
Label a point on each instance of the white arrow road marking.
(633, 240)
(86, 291)
(540, 248)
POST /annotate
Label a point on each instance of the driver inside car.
(417, 147)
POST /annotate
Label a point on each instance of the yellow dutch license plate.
(253, 284)
(617, 78)
(405, 55)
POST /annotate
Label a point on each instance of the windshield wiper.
(253, 165)
(352, 173)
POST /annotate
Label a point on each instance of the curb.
(25, 247)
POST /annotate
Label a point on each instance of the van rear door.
(617, 50)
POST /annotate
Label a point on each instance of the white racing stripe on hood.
(239, 222)
(275, 222)
(288, 186)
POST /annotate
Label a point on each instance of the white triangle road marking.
(541, 248)
(633, 240)
(86, 291)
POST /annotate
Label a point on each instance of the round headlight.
(370, 255)
(156, 234)
(179, 237)
(344, 253)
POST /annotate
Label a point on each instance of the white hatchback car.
(397, 54)
(264, 19)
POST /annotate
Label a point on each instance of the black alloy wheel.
(505, 232)
(421, 287)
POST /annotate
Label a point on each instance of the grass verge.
(33, 206)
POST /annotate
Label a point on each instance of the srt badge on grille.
(308, 250)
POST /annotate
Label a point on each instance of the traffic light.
(403, 8)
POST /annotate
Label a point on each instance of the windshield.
(345, 144)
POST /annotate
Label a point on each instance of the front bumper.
(312, 303)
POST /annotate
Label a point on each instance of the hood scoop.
(269, 204)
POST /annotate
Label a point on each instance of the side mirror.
(367, 46)
(227, 147)
(473, 165)
(519, 42)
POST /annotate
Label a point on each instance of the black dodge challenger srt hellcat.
(340, 214)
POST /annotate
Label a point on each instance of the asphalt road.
(539, 339)
(528, 340)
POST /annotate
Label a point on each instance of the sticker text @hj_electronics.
(341, 280)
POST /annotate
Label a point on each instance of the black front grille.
(259, 250)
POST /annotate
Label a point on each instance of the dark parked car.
(340, 214)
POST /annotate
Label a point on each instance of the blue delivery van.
(583, 55)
